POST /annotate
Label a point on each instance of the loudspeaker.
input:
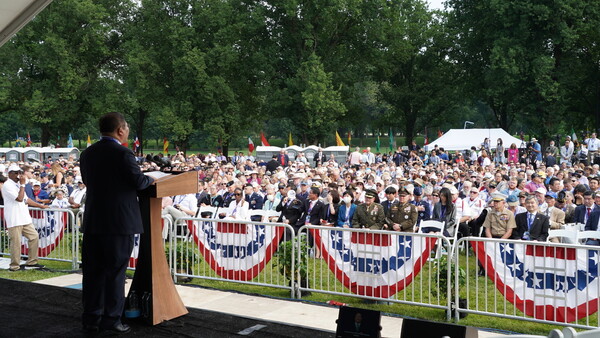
(353, 322)
(423, 328)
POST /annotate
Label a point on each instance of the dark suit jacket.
(112, 177)
(285, 161)
(317, 213)
(539, 227)
(292, 211)
(592, 222)
(580, 212)
(322, 159)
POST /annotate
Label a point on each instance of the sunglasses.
(435, 195)
(237, 194)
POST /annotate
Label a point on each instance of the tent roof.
(15, 14)
(462, 139)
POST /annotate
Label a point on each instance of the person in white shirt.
(60, 202)
(238, 208)
(183, 206)
(593, 144)
(76, 197)
(354, 158)
(18, 221)
(566, 152)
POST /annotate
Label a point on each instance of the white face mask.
(270, 198)
(347, 199)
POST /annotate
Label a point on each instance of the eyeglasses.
(474, 192)
(237, 194)
(435, 195)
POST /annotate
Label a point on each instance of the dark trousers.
(105, 259)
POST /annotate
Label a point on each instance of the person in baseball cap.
(18, 221)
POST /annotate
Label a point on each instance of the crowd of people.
(483, 187)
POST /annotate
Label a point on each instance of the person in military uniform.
(370, 215)
(499, 222)
(228, 196)
(423, 209)
(403, 215)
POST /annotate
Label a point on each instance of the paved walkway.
(276, 310)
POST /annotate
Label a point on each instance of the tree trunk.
(45, 136)
(141, 119)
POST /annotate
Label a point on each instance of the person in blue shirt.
(537, 149)
(346, 210)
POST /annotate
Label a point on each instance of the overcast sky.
(436, 4)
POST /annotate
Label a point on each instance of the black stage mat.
(35, 310)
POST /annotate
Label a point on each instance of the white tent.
(462, 139)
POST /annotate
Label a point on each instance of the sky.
(436, 4)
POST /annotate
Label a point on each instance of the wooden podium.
(152, 282)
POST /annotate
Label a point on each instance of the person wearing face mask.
(270, 201)
(346, 211)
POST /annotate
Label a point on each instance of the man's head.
(370, 197)
(498, 201)
(114, 125)
(390, 193)
(594, 183)
(531, 204)
(248, 189)
(14, 172)
(313, 193)
(588, 199)
(403, 195)
(554, 184)
(550, 198)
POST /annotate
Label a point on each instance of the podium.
(152, 282)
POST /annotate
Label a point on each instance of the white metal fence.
(58, 237)
(235, 251)
(534, 281)
(384, 266)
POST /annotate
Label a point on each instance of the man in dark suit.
(592, 224)
(319, 157)
(111, 218)
(283, 158)
(314, 210)
(583, 212)
(531, 225)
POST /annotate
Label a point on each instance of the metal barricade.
(58, 237)
(166, 224)
(244, 252)
(542, 282)
(386, 266)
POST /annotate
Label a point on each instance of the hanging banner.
(544, 282)
(50, 226)
(373, 264)
(234, 250)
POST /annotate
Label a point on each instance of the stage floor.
(36, 310)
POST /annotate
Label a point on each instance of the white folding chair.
(439, 226)
(258, 212)
(270, 214)
(580, 226)
(582, 236)
(564, 236)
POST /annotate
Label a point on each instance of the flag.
(17, 141)
(89, 141)
(377, 143)
(165, 146)
(136, 144)
(70, 141)
(391, 140)
(233, 250)
(440, 133)
(28, 140)
(250, 145)
(263, 140)
(338, 140)
(544, 282)
(573, 136)
(349, 139)
(371, 264)
(50, 226)
(290, 141)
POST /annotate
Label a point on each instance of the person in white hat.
(18, 220)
